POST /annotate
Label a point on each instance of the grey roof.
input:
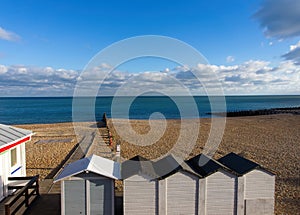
(10, 134)
(171, 164)
(137, 165)
(154, 170)
(206, 166)
(238, 164)
(94, 164)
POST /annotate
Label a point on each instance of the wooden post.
(197, 197)
(202, 196)
(26, 198)
(162, 197)
(7, 210)
(104, 119)
(23, 191)
(37, 186)
(240, 195)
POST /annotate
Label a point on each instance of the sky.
(252, 46)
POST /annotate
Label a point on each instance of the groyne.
(288, 110)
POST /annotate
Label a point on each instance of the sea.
(31, 110)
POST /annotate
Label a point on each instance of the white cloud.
(166, 70)
(230, 59)
(33, 81)
(8, 35)
(293, 54)
(279, 18)
(3, 69)
(251, 77)
(293, 47)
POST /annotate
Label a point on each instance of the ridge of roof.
(93, 163)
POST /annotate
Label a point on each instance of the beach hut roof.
(239, 164)
(205, 165)
(10, 135)
(137, 165)
(95, 164)
(171, 164)
(155, 170)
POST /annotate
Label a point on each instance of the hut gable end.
(182, 190)
(220, 194)
(258, 185)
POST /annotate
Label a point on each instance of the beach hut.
(163, 187)
(87, 186)
(256, 185)
(12, 155)
(178, 187)
(217, 186)
(139, 188)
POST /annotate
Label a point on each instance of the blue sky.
(57, 39)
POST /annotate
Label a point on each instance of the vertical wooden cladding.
(259, 192)
(259, 185)
(74, 192)
(256, 185)
(88, 196)
(101, 196)
(88, 186)
(176, 194)
(182, 195)
(140, 196)
(220, 194)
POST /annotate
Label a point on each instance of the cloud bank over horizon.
(249, 78)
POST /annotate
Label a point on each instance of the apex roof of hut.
(137, 165)
(239, 164)
(205, 165)
(95, 164)
(10, 134)
(171, 164)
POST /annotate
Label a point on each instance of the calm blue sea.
(52, 110)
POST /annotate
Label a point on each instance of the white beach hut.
(87, 186)
(139, 190)
(256, 185)
(217, 187)
(12, 155)
(178, 187)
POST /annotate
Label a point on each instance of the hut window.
(13, 157)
